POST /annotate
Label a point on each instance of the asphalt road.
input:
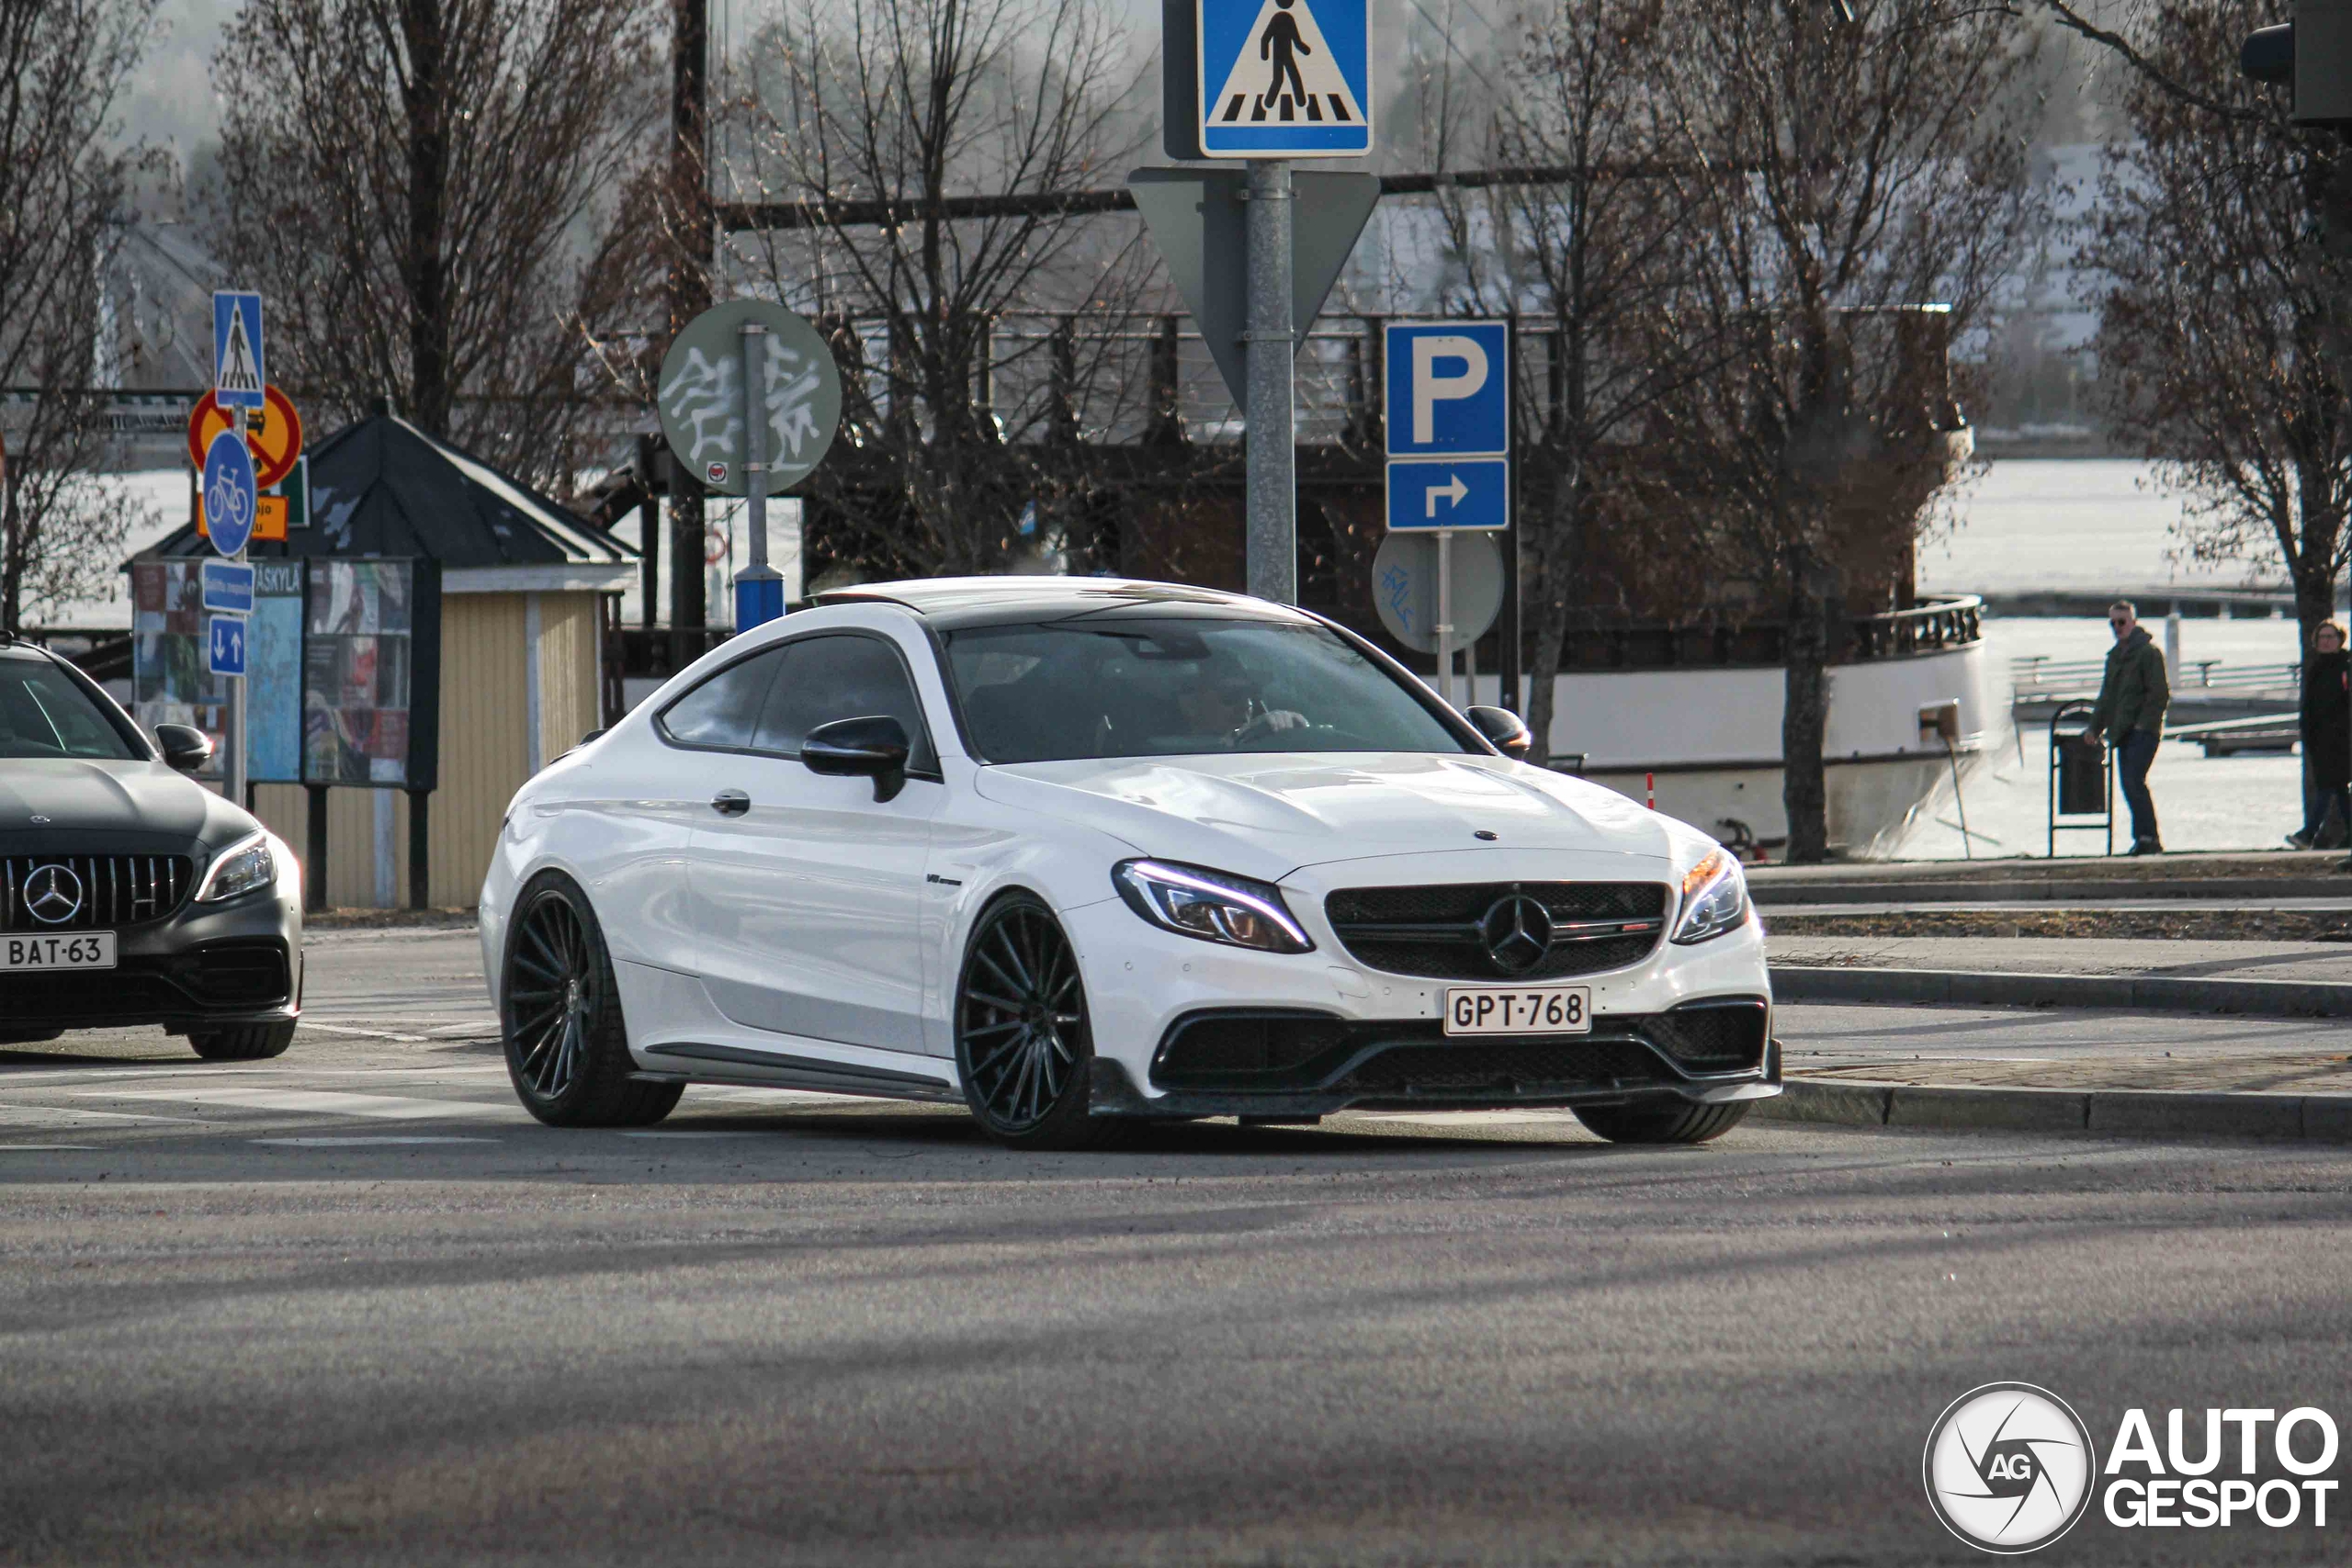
(352, 1306)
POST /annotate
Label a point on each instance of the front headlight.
(1715, 898)
(1210, 905)
(245, 865)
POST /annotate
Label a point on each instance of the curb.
(2116, 1112)
(2179, 993)
(1794, 895)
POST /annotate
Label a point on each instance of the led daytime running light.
(1138, 879)
(232, 872)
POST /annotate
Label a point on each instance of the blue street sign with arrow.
(1280, 78)
(1449, 493)
(225, 644)
(230, 493)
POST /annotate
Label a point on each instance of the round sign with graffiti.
(274, 447)
(700, 395)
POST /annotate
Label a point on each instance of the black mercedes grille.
(1712, 1039)
(1438, 932)
(1518, 1068)
(67, 893)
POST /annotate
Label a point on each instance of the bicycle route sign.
(231, 497)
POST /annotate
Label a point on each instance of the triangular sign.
(237, 371)
(1198, 219)
(1285, 75)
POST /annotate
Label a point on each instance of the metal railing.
(2039, 678)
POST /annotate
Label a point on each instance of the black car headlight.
(245, 865)
(1210, 905)
(1715, 898)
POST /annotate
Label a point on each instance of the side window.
(725, 709)
(826, 677)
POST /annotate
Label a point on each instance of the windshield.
(44, 712)
(1177, 687)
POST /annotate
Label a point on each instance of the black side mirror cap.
(1508, 734)
(185, 749)
(874, 747)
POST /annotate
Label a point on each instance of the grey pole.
(1272, 536)
(756, 599)
(1445, 627)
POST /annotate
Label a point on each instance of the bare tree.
(2219, 305)
(1853, 172)
(1594, 259)
(64, 67)
(425, 191)
(909, 102)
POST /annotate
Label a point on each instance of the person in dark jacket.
(2327, 734)
(2129, 715)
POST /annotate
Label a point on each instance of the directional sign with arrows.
(1449, 424)
(1451, 492)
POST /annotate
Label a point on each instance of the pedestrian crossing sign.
(1284, 78)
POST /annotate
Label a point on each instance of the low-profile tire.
(1662, 1124)
(242, 1042)
(560, 1015)
(1023, 1043)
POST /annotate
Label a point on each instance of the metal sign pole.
(756, 601)
(1444, 628)
(1271, 539)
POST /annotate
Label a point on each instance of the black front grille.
(219, 977)
(1434, 932)
(1711, 1037)
(105, 892)
(1516, 1069)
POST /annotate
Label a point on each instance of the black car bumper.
(203, 966)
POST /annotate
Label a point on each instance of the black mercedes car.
(129, 892)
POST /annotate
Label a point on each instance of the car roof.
(953, 601)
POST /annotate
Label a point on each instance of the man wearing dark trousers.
(2130, 717)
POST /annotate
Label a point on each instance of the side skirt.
(780, 1070)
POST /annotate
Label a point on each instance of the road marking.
(746, 1132)
(327, 1102)
(48, 1148)
(366, 1033)
(359, 1143)
(72, 1116)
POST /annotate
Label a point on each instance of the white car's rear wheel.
(1022, 1041)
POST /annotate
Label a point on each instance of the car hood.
(94, 805)
(1267, 815)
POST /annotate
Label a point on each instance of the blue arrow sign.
(1449, 492)
(230, 494)
(1448, 386)
(225, 644)
(229, 587)
(1284, 78)
(237, 379)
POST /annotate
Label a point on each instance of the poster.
(358, 667)
(273, 679)
(170, 682)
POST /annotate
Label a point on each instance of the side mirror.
(1504, 729)
(185, 749)
(874, 747)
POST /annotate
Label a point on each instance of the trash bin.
(2082, 777)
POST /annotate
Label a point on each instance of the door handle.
(731, 803)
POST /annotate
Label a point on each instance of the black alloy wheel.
(567, 1049)
(1023, 1047)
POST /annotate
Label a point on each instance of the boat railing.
(2040, 679)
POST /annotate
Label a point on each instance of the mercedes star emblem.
(53, 893)
(1518, 933)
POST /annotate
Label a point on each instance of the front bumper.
(1385, 1045)
(202, 966)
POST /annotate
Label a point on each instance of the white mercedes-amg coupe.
(1077, 852)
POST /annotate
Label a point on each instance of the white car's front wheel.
(1021, 1043)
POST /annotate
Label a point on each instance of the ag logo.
(2008, 1467)
(715, 472)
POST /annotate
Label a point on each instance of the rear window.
(44, 712)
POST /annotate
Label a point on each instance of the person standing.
(2327, 734)
(2130, 717)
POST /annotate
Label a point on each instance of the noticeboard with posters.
(372, 680)
(171, 683)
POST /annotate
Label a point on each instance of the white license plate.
(83, 950)
(1531, 1010)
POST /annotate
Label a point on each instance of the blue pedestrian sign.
(230, 493)
(229, 587)
(225, 644)
(237, 379)
(1448, 389)
(1449, 493)
(1284, 78)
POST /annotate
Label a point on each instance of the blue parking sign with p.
(1449, 387)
